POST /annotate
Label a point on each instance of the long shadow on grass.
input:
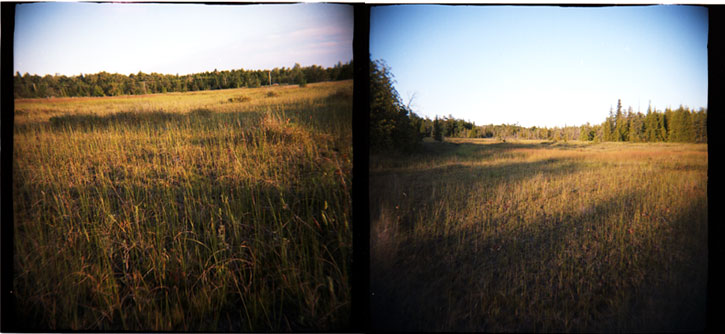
(433, 289)
(125, 118)
(509, 282)
(461, 152)
(467, 176)
(402, 302)
(157, 119)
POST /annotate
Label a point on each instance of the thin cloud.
(175, 38)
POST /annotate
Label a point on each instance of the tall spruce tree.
(650, 124)
(619, 122)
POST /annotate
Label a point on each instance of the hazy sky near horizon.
(542, 66)
(74, 38)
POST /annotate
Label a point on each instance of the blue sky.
(542, 66)
(74, 38)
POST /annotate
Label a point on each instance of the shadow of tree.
(201, 118)
(444, 152)
(560, 273)
(382, 184)
(134, 118)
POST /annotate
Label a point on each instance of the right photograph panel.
(538, 169)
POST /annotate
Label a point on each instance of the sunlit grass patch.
(177, 212)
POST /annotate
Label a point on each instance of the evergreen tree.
(619, 123)
(661, 127)
(699, 124)
(650, 124)
(636, 127)
(437, 130)
(687, 132)
(607, 129)
(669, 125)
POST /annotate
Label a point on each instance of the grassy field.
(540, 236)
(220, 210)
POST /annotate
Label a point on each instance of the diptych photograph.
(291, 167)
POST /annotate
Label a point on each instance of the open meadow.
(477, 234)
(223, 210)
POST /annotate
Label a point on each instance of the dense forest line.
(106, 84)
(394, 125)
(671, 125)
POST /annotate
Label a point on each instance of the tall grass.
(194, 211)
(540, 236)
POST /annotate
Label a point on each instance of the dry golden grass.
(185, 211)
(540, 236)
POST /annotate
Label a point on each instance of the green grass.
(221, 210)
(540, 236)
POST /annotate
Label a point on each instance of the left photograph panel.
(182, 167)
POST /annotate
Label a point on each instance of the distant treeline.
(106, 84)
(394, 126)
(678, 125)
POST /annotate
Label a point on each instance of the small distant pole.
(270, 77)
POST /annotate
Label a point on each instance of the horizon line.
(56, 74)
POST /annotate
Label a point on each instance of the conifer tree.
(636, 127)
(619, 123)
(687, 133)
(699, 125)
(607, 128)
(670, 125)
(437, 130)
(650, 124)
(661, 128)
